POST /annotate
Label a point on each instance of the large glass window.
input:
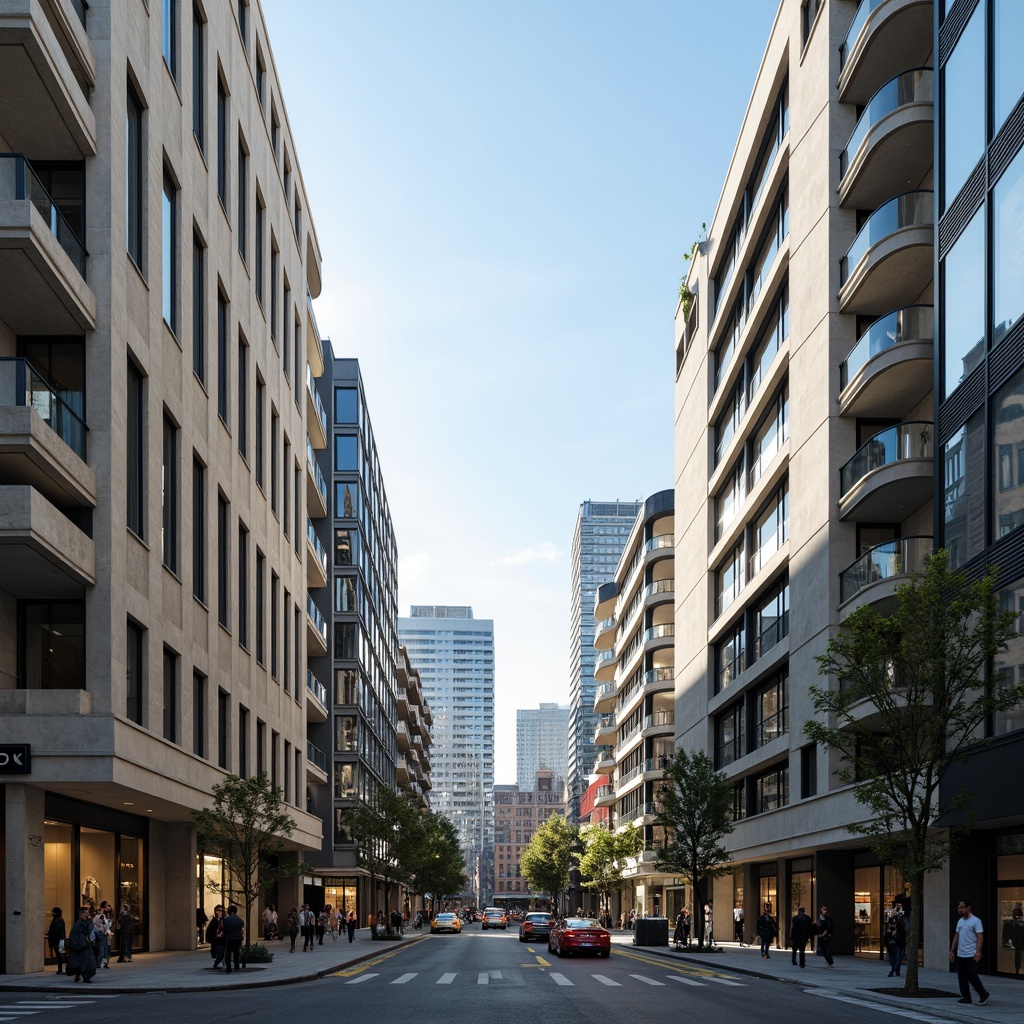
(771, 620)
(770, 435)
(1009, 663)
(198, 529)
(346, 453)
(771, 529)
(729, 655)
(198, 308)
(729, 735)
(729, 499)
(770, 246)
(51, 649)
(171, 697)
(730, 341)
(963, 272)
(346, 733)
(198, 77)
(963, 97)
(171, 477)
(346, 499)
(1008, 456)
(1008, 78)
(729, 579)
(1007, 247)
(729, 420)
(133, 177)
(170, 36)
(964, 491)
(243, 201)
(775, 332)
(771, 790)
(771, 707)
(345, 405)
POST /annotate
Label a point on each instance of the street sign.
(15, 759)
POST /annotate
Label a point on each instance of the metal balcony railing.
(316, 756)
(318, 548)
(321, 412)
(910, 440)
(316, 617)
(316, 688)
(21, 384)
(321, 483)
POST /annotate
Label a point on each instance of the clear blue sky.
(503, 192)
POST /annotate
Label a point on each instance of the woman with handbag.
(56, 936)
(81, 956)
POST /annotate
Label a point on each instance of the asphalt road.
(475, 977)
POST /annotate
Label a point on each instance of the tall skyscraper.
(454, 654)
(601, 531)
(541, 743)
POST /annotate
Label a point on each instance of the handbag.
(60, 946)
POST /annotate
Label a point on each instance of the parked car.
(494, 917)
(579, 935)
(446, 923)
(535, 927)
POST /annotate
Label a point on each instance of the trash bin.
(650, 931)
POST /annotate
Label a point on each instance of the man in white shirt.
(966, 953)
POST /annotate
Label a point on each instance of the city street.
(477, 975)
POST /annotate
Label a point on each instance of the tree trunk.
(698, 910)
(910, 986)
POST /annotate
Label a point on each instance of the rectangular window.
(1007, 418)
(261, 398)
(261, 76)
(771, 620)
(198, 529)
(223, 725)
(285, 333)
(275, 623)
(136, 447)
(298, 217)
(771, 790)
(243, 743)
(275, 462)
(275, 257)
(275, 131)
(298, 777)
(729, 741)
(134, 702)
(771, 709)
(297, 356)
(222, 357)
(258, 261)
(729, 656)
(134, 165)
(346, 453)
(261, 744)
(730, 498)
(169, 252)
(198, 714)
(170, 36)
(243, 23)
(222, 142)
(223, 561)
(170, 696)
(296, 652)
(243, 201)
(261, 601)
(729, 579)
(243, 397)
(297, 507)
(275, 743)
(199, 308)
(170, 496)
(243, 585)
(286, 795)
(729, 420)
(198, 78)
(771, 529)
(771, 434)
(808, 772)
(285, 617)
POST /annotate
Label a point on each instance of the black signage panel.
(15, 759)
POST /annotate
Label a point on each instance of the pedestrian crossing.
(457, 978)
(26, 1008)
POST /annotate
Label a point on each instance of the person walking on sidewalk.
(350, 924)
(292, 923)
(125, 924)
(81, 956)
(767, 929)
(306, 922)
(966, 953)
(895, 941)
(215, 936)
(234, 931)
(799, 935)
(825, 928)
(56, 936)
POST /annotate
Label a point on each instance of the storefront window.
(341, 895)
(867, 911)
(801, 886)
(1010, 902)
(57, 875)
(130, 882)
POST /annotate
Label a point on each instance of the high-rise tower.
(540, 742)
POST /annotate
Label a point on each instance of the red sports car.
(579, 935)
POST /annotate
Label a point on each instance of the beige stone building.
(804, 437)
(157, 425)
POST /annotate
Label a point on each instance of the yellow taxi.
(446, 923)
(494, 917)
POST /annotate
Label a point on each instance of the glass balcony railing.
(316, 688)
(860, 19)
(664, 540)
(913, 323)
(912, 209)
(318, 405)
(604, 691)
(911, 440)
(19, 181)
(886, 561)
(660, 675)
(660, 719)
(318, 548)
(21, 384)
(321, 483)
(659, 632)
(603, 658)
(316, 756)
(605, 624)
(660, 587)
(605, 792)
(913, 86)
(316, 617)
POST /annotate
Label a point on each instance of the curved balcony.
(605, 796)
(604, 698)
(604, 600)
(666, 631)
(654, 676)
(660, 721)
(605, 763)
(876, 574)
(659, 591)
(604, 666)
(889, 370)
(604, 734)
(604, 634)
(891, 257)
(884, 36)
(890, 149)
(890, 476)
(662, 546)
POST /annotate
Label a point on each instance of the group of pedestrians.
(225, 934)
(313, 926)
(86, 948)
(802, 930)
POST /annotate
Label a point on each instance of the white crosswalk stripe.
(725, 981)
(482, 978)
(360, 979)
(648, 981)
(560, 979)
(405, 978)
(55, 1005)
(686, 981)
(605, 981)
(445, 979)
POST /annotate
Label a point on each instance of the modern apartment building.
(601, 530)
(454, 654)
(518, 813)
(157, 349)
(359, 720)
(541, 735)
(805, 453)
(412, 769)
(635, 733)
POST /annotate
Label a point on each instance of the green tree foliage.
(604, 857)
(548, 856)
(247, 826)
(697, 815)
(438, 867)
(908, 699)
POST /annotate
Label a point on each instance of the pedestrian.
(799, 935)
(234, 932)
(321, 925)
(201, 922)
(737, 924)
(56, 936)
(687, 922)
(350, 925)
(1017, 936)
(709, 931)
(767, 929)
(825, 928)
(125, 923)
(102, 926)
(894, 940)
(677, 936)
(965, 953)
(215, 936)
(632, 918)
(396, 921)
(292, 924)
(268, 922)
(306, 919)
(81, 956)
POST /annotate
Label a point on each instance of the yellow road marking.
(669, 965)
(359, 968)
(541, 962)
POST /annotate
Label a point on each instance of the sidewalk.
(191, 971)
(853, 979)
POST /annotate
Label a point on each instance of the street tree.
(438, 866)
(696, 813)
(548, 857)
(909, 694)
(246, 826)
(605, 855)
